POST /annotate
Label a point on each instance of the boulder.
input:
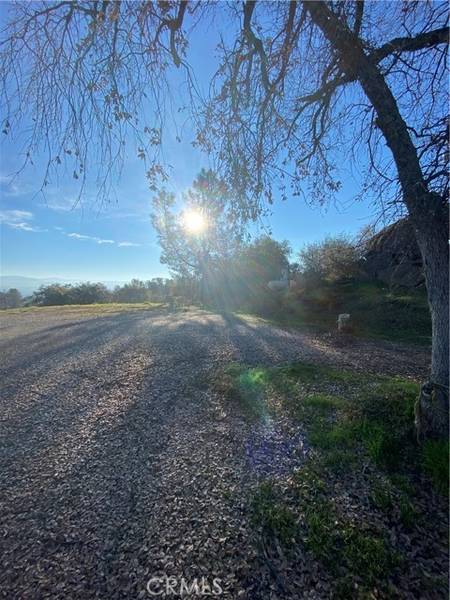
(343, 323)
(393, 256)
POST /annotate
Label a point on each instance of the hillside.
(376, 311)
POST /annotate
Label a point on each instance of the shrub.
(10, 299)
(89, 293)
(52, 295)
(135, 291)
(84, 293)
(333, 259)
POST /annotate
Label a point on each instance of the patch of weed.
(322, 402)
(381, 496)
(321, 537)
(329, 436)
(275, 519)
(308, 373)
(402, 483)
(384, 447)
(395, 502)
(369, 555)
(339, 460)
(246, 387)
(344, 548)
(408, 513)
(309, 481)
(436, 462)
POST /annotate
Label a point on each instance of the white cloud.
(53, 201)
(11, 216)
(18, 219)
(23, 227)
(97, 240)
(78, 236)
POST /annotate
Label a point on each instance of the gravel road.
(118, 462)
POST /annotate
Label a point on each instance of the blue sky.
(52, 236)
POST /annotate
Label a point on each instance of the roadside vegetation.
(258, 278)
(396, 314)
(366, 485)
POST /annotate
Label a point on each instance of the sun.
(194, 221)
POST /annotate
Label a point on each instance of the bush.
(89, 293)
(334, 259)
(10, 299)
(135, 291)
(57, 295)
(52, 295)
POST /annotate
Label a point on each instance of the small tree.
(243, 277)
(89, 293)
(332, 260)
(197, 251)
(52, 295)
(10, 299)
(135, 291)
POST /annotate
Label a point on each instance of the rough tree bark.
(427, 210)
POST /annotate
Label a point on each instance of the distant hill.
(28, 285)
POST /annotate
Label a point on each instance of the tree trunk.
(427, 211)
(432, 236)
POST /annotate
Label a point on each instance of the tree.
(52, 295)
(135, 291)
(251, 270)
(198, 240)
(331, 260)
(89, 293)
(10, 299)
(83, 293)
(299, 85)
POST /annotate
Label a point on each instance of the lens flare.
(194, 221)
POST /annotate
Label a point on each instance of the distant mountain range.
(28, 285)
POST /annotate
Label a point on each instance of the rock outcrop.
(393, 256)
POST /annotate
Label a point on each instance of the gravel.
(120, 464)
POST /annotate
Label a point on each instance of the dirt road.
(118, 462)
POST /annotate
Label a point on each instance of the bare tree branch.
(421, 41)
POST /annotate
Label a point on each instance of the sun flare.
(194, 221)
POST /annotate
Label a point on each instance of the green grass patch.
(347, 415)
(361, 430)
(395, 502)
(274, 518)
(382, 496)
(314, 373)
(408, 513)
(323, 403)
(339, 436)
(346, 549)
(339, 460)
(322, 535)
(369, 555)
(246, 388)
(436, 463)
